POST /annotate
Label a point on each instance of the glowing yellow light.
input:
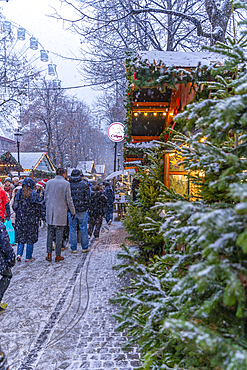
(135, 114)
(145, 114)
(171, 114)
(164, 114)
(155, 114)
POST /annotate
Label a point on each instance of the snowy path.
(59, 316)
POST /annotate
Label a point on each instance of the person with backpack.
(81, 198)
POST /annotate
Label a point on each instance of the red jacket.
(3, 201)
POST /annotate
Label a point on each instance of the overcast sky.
(52, 34)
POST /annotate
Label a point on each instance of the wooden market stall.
(8, 165)
(161, 84)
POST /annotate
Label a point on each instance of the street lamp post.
(118, 159)
(18, 136)
(115, 163)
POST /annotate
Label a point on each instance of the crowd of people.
(63, 205)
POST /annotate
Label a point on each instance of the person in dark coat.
(40, 190)
(7, 260)
(96, 211)
(80, 193)
(27, 206)
(109, 193)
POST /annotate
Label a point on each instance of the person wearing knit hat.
(8, 186)
(27, 206)
(40, 185)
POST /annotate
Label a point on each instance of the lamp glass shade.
(18, 136)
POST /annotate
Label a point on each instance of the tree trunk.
(170, 38)
(219, 13)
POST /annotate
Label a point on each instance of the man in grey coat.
(58, 200)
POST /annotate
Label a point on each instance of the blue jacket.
(109, 193)
(80, 192)
(7, 254)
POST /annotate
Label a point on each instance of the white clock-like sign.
(116, 132)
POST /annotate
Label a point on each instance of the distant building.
(87, 167)
(6, 144)
(100, 171)
(35, 162)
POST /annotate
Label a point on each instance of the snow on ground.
(59, 315)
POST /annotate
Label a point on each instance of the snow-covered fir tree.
(187, 309)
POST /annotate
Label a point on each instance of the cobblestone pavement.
(59, 315)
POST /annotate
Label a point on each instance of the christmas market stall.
(160, 85)
(8, 165)
(36, 164)
(88, 168)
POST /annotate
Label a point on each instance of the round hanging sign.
(116, 132)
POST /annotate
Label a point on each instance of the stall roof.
(86, 167)
(100, 168)
(30, 160)
(180, 58)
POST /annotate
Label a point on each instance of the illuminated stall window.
(179, 183)
(178, 179)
